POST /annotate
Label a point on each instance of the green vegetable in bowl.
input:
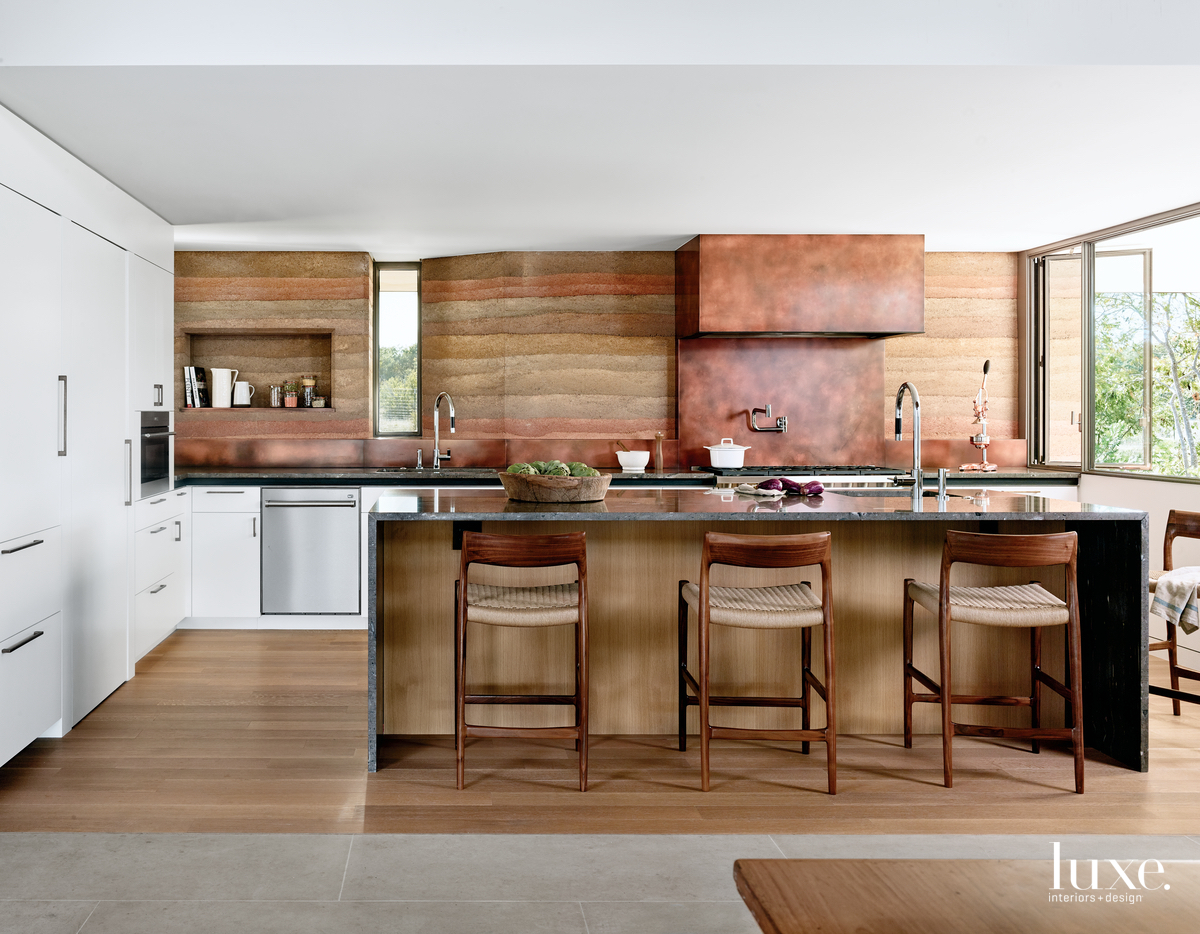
(556, 469)
(521, 468)
(580, 469)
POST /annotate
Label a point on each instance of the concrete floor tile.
(233, 917)
(44, 917)
(172, 866)
(669, 918)
(987, 846)
(551, 867)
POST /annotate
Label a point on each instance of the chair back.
(1010, 551)
(1180, 524)
(767, 551)
(524, 551)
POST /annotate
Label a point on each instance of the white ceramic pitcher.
(222, 386)
(243, 392)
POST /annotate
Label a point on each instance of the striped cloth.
(1175, 598)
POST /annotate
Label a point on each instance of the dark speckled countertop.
(397, 476)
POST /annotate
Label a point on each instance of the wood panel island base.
(642, 542)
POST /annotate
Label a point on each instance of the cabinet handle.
(129, 474)
(161, 528)
(181, 493)
(314, 502)
(22, 548)
(155, 502)
(178, 530)
(62, 448)
(215, 492)
(158, 394)
(158, 588)
(254, 526)
(25, 641)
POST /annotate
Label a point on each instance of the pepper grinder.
(658, 455)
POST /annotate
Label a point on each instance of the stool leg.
(1075, 669)
(705, 731)
(830, 705)
(1035, 687)
(1173, 662)
(947, 695)
(460, 693)
(806, 695)
(908, 662)
(582, 681)
(683, 688)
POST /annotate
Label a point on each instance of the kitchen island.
(641, 542)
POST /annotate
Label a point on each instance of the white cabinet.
(98, 472)
(160, 569)
(30, 684)
(151, 336)
(29, 365)
(226, 555)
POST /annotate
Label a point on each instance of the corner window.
(397, 354)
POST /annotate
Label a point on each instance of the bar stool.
(790, 606)
(1180, 524)
(1025, 605)
(492, 605)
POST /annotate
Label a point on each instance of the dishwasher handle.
(310, 502)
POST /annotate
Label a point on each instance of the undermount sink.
(884, 491)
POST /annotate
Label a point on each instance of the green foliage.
(397, 375)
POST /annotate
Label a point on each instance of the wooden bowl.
(534, 488)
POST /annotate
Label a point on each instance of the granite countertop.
(394, 476)
(678, 503)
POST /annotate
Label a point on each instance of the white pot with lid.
(726, 454)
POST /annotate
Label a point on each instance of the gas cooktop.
(803, 470)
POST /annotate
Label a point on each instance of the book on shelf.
(188, 392)
(201, 384)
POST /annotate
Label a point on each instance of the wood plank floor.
(265, 732)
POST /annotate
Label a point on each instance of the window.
(397, 349)
(1116, 350)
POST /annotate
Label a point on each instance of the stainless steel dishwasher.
(310, 550)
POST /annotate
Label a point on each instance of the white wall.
(1158, 498)
(36, 167)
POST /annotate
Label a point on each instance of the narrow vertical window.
(397, 348)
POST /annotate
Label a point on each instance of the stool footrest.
(1010, 732)
(1159, 646)
(729, 732)
(722, 700)
(526, 732)
(564, 699)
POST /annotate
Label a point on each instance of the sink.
(392, 469)
(885, 491)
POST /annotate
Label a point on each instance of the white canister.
(222, 386)
(726, 454)
(243, 392)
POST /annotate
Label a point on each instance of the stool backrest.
(1012, 551)
(524, 551)
(766, 551)
(1180, 524)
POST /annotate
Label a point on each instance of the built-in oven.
(156, 453)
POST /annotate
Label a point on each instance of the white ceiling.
(425, 129)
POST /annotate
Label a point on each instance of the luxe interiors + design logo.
(1107, 880)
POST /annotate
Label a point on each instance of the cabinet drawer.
(30, 580)
(30, 684)
(225, 498)
(157, 610)
(158, 551)
(157, 509)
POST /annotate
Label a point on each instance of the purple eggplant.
(792, 487)
(772, 483)
(813, 488)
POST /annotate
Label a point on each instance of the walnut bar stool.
(1180, 524)
(554, 605)
(789, 606)
(1028, 605)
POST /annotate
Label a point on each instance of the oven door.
(156, 453)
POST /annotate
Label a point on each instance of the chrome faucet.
(916, 410)
(438, 456)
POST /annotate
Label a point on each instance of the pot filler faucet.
(438, 456)
(916, 418)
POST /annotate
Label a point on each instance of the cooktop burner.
(804, 470)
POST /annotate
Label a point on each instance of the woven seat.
(1154, 576)
(786, 606)
(790, 606)
(555, 605)
(1022, 605)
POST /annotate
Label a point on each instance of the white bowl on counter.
(726, 454)
(633, 460)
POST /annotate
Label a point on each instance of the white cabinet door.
(30, 684)
(30, 364)
(151, 336)
(98, 472)
(157, 610)
(225, 564)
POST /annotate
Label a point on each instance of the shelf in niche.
(262, 356)
(255, 411)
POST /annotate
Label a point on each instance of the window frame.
(1030, 340)
(376, 396)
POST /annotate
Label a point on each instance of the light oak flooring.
(253, 732)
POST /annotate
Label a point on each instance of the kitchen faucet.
(438, 456)
(916, 410)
